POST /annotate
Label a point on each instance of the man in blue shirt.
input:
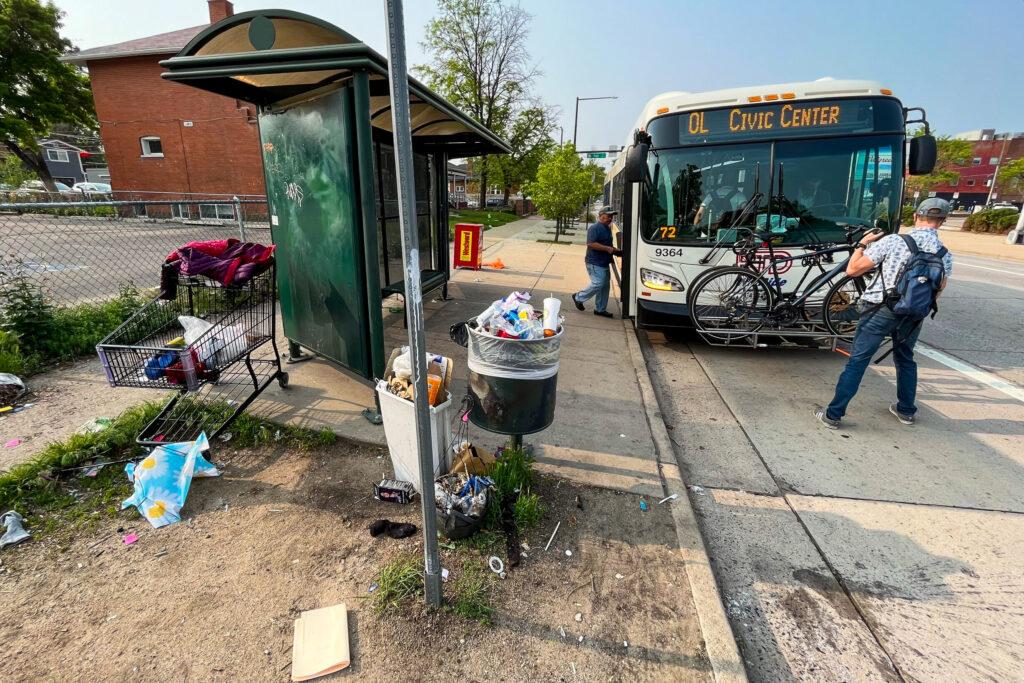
(598, 260)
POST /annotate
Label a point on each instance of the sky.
(961, 61)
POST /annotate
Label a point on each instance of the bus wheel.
(730, 304)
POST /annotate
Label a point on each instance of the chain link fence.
(88, 251)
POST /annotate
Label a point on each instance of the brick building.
(976, 176)
(160, 136)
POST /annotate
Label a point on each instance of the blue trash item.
(162, 479)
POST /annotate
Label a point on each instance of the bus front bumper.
(658, 315)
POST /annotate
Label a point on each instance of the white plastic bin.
(400, 430)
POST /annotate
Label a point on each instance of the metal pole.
(398, 75)
(238, 217)
(575, 121)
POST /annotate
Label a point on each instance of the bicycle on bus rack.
(734, 304)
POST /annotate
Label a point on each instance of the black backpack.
(917, 284)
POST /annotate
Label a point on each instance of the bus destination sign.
(782, 119)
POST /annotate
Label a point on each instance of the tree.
(1011, 176)
(562, 185)
(37, 90)
(13, 172)
(530, 140)
(951, 155)
(480, 63)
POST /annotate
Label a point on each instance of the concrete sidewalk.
(600, 434)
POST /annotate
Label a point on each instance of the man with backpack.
(913, 271)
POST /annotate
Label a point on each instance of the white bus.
(697, 162)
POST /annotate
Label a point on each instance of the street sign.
(596, 155)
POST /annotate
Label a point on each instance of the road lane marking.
(977, 374)
(998, 270)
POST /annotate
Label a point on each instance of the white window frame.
(993, 161)
(60, 155)
(145, 149)
(970, 183)
(221, 212)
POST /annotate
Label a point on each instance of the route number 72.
(667, 232)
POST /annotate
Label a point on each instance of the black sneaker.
(824, 419)
(604, 314)
(577, 304)
(902, 417)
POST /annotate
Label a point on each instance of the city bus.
(700, 167)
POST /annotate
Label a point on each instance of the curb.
(719, 640)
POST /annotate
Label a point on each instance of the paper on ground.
(320, 644)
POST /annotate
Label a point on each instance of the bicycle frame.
(775, 283)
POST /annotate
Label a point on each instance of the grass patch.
(528, 510)
(470, 593)
(488, 218)
(35, 487)
(399, 580)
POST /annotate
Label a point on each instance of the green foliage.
(951, 155)
(471, 593)
(491, 218)
(1011, 176)
(907, 214)
(528, 510)
(998, 221)
(399, 580)
(11, 358)
(529, 136)
(48, 333)
(13, 172)
(563, 184)
(37, 90)
(512, 475)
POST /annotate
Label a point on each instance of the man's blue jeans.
(600, 281)
(871, 332)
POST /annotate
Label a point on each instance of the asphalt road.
(981, 316)
(878, 551)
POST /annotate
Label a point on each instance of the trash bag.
(455, 526)
(512, 358)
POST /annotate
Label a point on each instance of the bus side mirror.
(636, 163)
(923, 153)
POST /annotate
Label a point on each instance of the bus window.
(695, 192)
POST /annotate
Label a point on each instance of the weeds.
(471, 593)
(512, 474)
(528, 510)
(30, 321)
(399, 580)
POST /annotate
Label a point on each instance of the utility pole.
(399, 75)
(995, 174)
(576, 117)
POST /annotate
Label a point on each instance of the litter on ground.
(15, 531)
(163, 478)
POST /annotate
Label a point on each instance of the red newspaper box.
(468, 248)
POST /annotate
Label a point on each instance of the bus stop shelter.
(325, 130)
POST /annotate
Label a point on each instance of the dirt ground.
(64, 399)
(214, 596)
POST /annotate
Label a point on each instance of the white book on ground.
(320, 644)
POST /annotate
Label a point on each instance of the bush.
(907, 214)
(997, 221)
(39, 333)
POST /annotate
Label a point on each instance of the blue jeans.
(600, 282)
(871, 332)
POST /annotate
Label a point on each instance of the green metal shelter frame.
(325, 127)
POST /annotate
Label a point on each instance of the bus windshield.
(697, 193)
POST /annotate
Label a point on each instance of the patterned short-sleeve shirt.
(891, 253)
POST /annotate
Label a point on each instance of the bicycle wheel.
(730, 304)
(840, 309)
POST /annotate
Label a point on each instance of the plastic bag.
(230, 341)
(513, 358)
(11, 388)
(162, 480)
(196, 329)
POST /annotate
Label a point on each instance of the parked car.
(494, 202)
(37, 186)
(1003, 205)
(92, 188)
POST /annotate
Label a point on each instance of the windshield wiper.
(749, 207)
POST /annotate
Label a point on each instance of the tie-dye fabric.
(162, 479)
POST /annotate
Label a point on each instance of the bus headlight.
(660, 281)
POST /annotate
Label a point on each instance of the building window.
(988, 183)
(60, 155)
(992, 161)
(217, 211)
(151, 147)
(976, 161)
(181, 211)
(954, 182)
(970, 183)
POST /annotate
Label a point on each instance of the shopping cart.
(218, 373)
